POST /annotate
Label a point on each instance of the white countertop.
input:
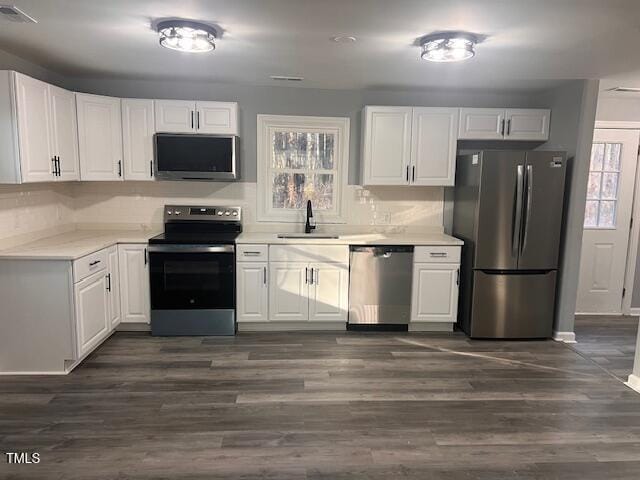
(418, 239)
(75, 244)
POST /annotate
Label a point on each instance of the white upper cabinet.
(175, 116)
(527, 124)
(64, 128)
(184, 116)
(138, 128)
(386, 145)
(34, 129)
(217, 117)
(433, 151)
(99, 137)
(504, 124)
(409, 145)
(481, 124)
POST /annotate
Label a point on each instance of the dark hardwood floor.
(333, 406)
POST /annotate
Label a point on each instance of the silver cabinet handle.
(251, 254)
(438, 254)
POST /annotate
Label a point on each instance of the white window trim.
(264, 196)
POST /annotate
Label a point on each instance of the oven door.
(191, 277)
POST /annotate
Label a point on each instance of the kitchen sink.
(327, 236)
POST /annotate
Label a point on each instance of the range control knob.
(220, 212)
(227, 213)
(169, 212)
(177, 212)
(235, 214)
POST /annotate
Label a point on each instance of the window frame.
(265, 126)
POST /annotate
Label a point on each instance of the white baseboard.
(430, 327)
(566, 337)
(633, 382)
(291, 326)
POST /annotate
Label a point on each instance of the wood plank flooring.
(332, 406)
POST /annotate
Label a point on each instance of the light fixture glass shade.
(448, 48)
(186, 36)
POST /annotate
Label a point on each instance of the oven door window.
(192, 281)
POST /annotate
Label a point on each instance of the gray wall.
(573, 116)
(254, 100)
(623, 108)
(9, 61)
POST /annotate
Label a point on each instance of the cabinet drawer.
(309, 253)
(85, 266)
(252, 253)
(433, 254)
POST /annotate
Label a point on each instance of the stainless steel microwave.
(196, 157)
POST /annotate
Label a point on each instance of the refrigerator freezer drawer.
(513, 305)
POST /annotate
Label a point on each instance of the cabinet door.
(328, 292)
(434, 136)
(435, 292)
(138, 127)
(386, 147)
(217, 117)
(481, 124)
(134, 283)
(288, 291)
(64, 125)
(527, 124)
(92, 317)
(34, 129)
(99, 137)
(252, 292)
(113, 287)
(175, 116)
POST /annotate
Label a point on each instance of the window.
(602, 189)
(300, 159)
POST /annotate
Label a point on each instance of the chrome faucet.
(308, 226)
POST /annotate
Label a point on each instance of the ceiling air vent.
(624, 89)
(286, 78)
(14, 14)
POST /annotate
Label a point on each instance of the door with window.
(607, 221)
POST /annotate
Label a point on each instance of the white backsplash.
(140, 204)
(31, 211)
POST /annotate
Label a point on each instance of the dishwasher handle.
(382, 250)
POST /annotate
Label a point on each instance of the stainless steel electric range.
(192, 271)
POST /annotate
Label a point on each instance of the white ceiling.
(529, 44)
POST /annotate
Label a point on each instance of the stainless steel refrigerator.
(508, 210)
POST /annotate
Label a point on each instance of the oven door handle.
(192, 249)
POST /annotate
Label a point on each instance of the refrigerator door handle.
(517, 220)
(527, 217)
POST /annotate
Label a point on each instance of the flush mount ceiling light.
(186, 36)
(448, 47)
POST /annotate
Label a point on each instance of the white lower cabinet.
(92, 311)
(113, 286)
(328, 292)
(288, 291)
(252, 292)
(134, 283)
(435, 292)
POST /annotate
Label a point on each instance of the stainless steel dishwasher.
(380, 285)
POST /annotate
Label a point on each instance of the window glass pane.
(288, 190)
(593, 187)
(591, 214)
(597, 156)
(607, 216)
(612, 157)
(303, 150)
(320, 191)
(322, 151)
(610, 186)
(285, 151)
